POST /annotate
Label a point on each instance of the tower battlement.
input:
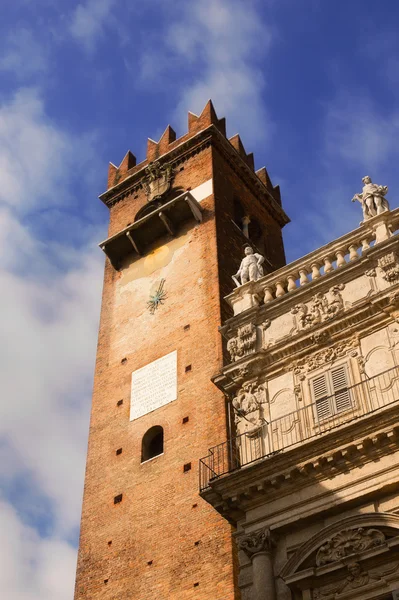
(168, 142)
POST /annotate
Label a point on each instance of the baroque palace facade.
(288, 373)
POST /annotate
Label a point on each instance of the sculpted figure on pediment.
(357, 577)
(372, 198)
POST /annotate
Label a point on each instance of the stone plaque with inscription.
(154, 385)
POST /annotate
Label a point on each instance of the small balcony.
(339, 410)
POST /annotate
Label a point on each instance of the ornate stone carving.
(247, 406)
(389, 264)
(321, 308)
(393, 299)
(157, 180)
(320, 337)
(250, 268)
(258, 541)
(372, 198)
(370, 273)
(298, 392)
(243, 343)
(266, 324)
(328, 355)
(357, 577)
(347, 542)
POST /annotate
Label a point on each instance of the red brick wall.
(156, 520)
(161, 515)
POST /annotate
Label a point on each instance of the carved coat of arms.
(157, 180)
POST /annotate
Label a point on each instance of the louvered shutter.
(321, 397)
(342, 395)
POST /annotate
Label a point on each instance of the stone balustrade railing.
(335, 255)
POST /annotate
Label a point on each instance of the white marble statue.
(372, 198)
(250, 267)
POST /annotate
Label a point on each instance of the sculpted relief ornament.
(243, 343)
(321, 308)
(157, 180)
(347, 542)
(372, 198)
(356, 578)
(328, 355)
(389, 264)
(247, 406)
(250, 268)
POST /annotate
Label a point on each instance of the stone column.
(258, 547)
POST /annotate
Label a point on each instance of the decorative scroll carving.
(157, 180)
(347, 542)
(389, 264)
(321, 308)
(328, 355)
(244, 343)
(258, 541)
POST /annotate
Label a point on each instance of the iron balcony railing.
(366, 397)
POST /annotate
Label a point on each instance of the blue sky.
(312, 86)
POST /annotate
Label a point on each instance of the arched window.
(152, 444)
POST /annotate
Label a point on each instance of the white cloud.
(22, 54)
(49, 305)
(33, 567)
(220, 41)
(88, 21)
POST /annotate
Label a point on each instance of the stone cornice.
(345, 448)
(209, 136)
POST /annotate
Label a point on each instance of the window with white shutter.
(342, 396)
(330, 392)
(321, 397)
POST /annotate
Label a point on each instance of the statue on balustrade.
(372, 198)
(250, 268)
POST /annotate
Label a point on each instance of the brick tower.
(178, 224)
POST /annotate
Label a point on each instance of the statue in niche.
(372, 198)
(250, 268)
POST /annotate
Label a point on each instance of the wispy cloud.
(22, 54)
(49, 302)
(33, 567)
(88, 21)
(217, 47)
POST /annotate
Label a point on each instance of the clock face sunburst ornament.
(158, 298)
